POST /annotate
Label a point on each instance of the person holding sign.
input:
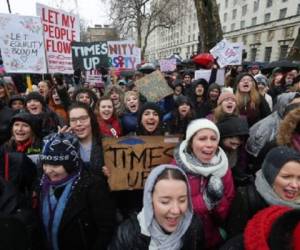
(76, 206)
(166, 220)
(209, 176)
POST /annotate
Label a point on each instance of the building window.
(253, 22)
(233, 26)
(224, 28)
(189, 38)
(284, 1)
(268, 52)
(234, 39)
(242, 24)
(269, 3)
(256, 5)
(267, 17)
(298, 9)
(225, 17)
(282, 13)
(194, 37)
(288, 32)
(235, 2)
(244, 10)
(270, 35)
(253, 53)
(257, 37)
(226, 3)
(283, 51)
(244, 39)
(234, 14)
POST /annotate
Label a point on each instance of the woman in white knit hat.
(210, 178)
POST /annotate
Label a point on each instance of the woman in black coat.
(277, 183)
(166, 220)
(76, 207)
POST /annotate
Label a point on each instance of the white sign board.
(206, 74)
(227, 53)
(124, 54)
(60, 29)
(22, 44)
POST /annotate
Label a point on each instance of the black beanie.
(238, 79)
(233, 126)
(61, 149)
(275, 159)
(15, 98)
(35, 96)
(150, 105)
(33, 121)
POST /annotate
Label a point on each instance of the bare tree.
(209, 24)
(144, 16)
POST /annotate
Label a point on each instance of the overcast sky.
(93, 11)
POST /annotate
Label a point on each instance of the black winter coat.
(129, 236)
(246, 203)
(89, 216)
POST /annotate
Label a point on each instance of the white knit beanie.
(199, 124)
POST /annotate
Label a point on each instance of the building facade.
(101, 33)
(267, 28)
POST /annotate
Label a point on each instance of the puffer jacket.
(129, 236)
(266, 129)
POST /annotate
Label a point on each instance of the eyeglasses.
(81, 119)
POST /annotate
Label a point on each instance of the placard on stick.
(154, 86)
(130, 159)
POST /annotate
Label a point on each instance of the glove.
(214, 192)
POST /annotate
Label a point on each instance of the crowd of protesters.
(233, 183)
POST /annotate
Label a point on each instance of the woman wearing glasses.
(84, 125)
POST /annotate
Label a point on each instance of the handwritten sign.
(60, 29)
(130, 159)
(167, 65)
(206, 74)
(22, 45)
(88, 56)
(124, 54)
(94, 76)
(227, 53)
(154, 86)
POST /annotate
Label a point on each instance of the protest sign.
(60, 29)
(88, 56)
(207, 74)
(227, 53)
(154, 86)
(124, 54)
(94, 76)
(22, 44)
(130, 159)
(167, 65)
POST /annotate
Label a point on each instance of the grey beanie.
(275, 159)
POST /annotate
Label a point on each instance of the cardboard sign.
(206, 74)
(94, 76)
(89, 56)
(130, 159)
(227, 53)
(124, 54)
(60, 29)
(154, 86)
(167, 65)
(22, 44)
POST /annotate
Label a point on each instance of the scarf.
(23, 146)
(110, 127)
(149, 226)
(218, 165)
(268, 193)
(53, 208)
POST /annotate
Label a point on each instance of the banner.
(89, 56)
(228, 53)
(124, 54)
(22, 44)
(130, 159)
(60, 29)
(154, 86)
(211, 76)
(167, 65)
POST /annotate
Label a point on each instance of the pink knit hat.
(225, 95)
